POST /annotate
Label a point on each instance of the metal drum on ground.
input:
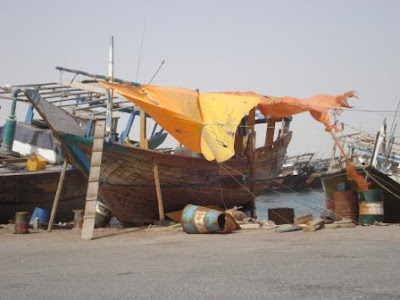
(103, 214)
(198, 219)
(346, 205)
(21, 222)
(371, 206)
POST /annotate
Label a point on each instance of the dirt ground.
(162, 262)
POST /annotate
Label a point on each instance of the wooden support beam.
(269, 138)
(57, 196)
(252, 146)
(143, 132)
(93, 181)
(158, 189)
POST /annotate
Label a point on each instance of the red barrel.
(346, 205)
(21, 222)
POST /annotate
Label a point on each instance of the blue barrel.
(343, 186)
(198, 219)
(371, 206)
(44, 215)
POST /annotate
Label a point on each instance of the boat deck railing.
(86, 98)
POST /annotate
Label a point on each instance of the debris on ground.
(328, 215)
(340, 225)
(283, 215)
(377, 223)
(314, 225)
(250, 226)
(236, 213)
(303, 219)
(288, 228)
(268, 225)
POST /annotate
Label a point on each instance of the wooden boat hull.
(127, 183)
(24, 190)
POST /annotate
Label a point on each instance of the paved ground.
(165, 263)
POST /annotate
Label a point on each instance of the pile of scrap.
(308, 223)
(213, 219)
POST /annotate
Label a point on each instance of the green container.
(371, 206)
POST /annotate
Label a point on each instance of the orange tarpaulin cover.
(206, 122)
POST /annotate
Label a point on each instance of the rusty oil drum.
(21, 222)
(346, 205)
(103, 215)
(198, 219)
(371, 206)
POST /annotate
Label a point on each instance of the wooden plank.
(158, 189)
(252, 144)
(269, 138)
(314, 225)
(143, 131)
(283, 229)
(55, 117)
(341, 225)
(250, 226)
(303, 219)
(58, 193)
(93, 184)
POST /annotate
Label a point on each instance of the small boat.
(23, 189)
(376, 159)
(298, 174)
(220, 164)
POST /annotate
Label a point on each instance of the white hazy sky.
(279, 48)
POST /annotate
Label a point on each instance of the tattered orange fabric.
(350, 170)
(317, 105)
(206, 122)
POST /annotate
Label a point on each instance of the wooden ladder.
(93, 181)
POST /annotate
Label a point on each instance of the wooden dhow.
(227, 171)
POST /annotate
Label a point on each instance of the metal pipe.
(9, 128)
(110, 94)
(102, 77)
(130, 107)
(155, 74)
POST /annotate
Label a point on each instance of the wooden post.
(93, 181)
(143, 135)
(252, 144)
(57, 196)
(158, 189)
(269, 138)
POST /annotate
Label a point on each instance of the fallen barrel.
(371, 206)
(346, 205)
(198, 219)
